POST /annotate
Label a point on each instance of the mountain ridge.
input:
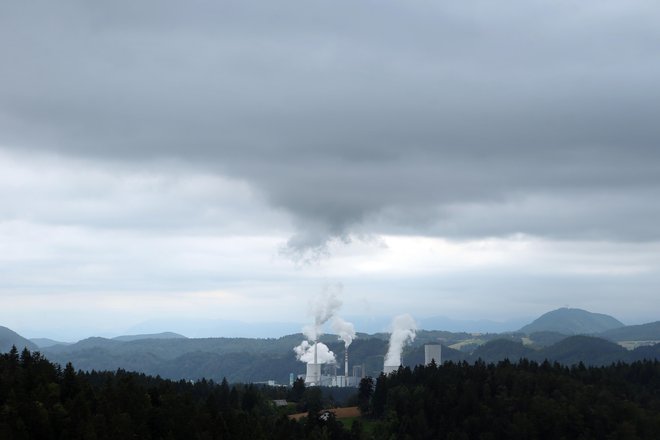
(9, 338)
(572, 322)
(243, 359)
(162, 335)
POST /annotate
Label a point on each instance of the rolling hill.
(47, 342)
(164, 335)
(572, 322)
(643, 332)
(586, 349)
(499, 349)
(9, 337)
(174, 356)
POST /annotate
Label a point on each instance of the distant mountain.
(9, 337)
(46, 342)
(643, 332)
(205, 328)
(572, 322)
(247, 359)
(164, 335)
(569, 350)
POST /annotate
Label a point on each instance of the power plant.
(321, 362)
(325, 374)
(313, 376)
(318, 376)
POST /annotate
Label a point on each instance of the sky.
(168, 165)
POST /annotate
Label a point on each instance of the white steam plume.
(345, 330)
(323, 308)
(403, 331)
(305, 353)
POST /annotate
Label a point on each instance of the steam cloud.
(305, 353)
(323, 308)
(403, 332)
(345, 330)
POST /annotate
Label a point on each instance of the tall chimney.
(316, 352)
(346, 362)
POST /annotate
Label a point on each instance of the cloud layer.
(468, 119)
(485, 158)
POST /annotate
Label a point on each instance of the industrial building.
(433, 352)
(326, 374)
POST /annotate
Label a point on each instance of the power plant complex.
(325, 374)
(321, 363)
(316, 376)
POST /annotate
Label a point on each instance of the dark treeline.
(527, 400)
(39, 400)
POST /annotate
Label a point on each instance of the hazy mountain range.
(564, 335)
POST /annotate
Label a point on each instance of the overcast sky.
(231, 159)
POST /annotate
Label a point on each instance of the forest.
(524, 400)
(457, 400)
(40, 400)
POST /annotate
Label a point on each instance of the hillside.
(164, 335)
(47, 342)
(572, 322)
(499, 349)
(9, 337)
(586, 349)
(545, 339)
(247, 361)
(174, 356)
(237, 359)
(644, 332)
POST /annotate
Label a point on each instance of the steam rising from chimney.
(323, 308)
(345, 330)
(403, 332)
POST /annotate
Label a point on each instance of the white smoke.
(323, 308)
(305, 353)
(345, 330)
(403, 331)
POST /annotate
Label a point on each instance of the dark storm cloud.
(473, 118)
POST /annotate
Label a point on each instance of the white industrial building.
(433, 352)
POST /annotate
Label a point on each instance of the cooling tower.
(432, 352)
(313, 376)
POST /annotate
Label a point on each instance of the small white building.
(433, 352)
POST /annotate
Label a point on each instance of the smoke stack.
(316, 352)
(346, 362)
